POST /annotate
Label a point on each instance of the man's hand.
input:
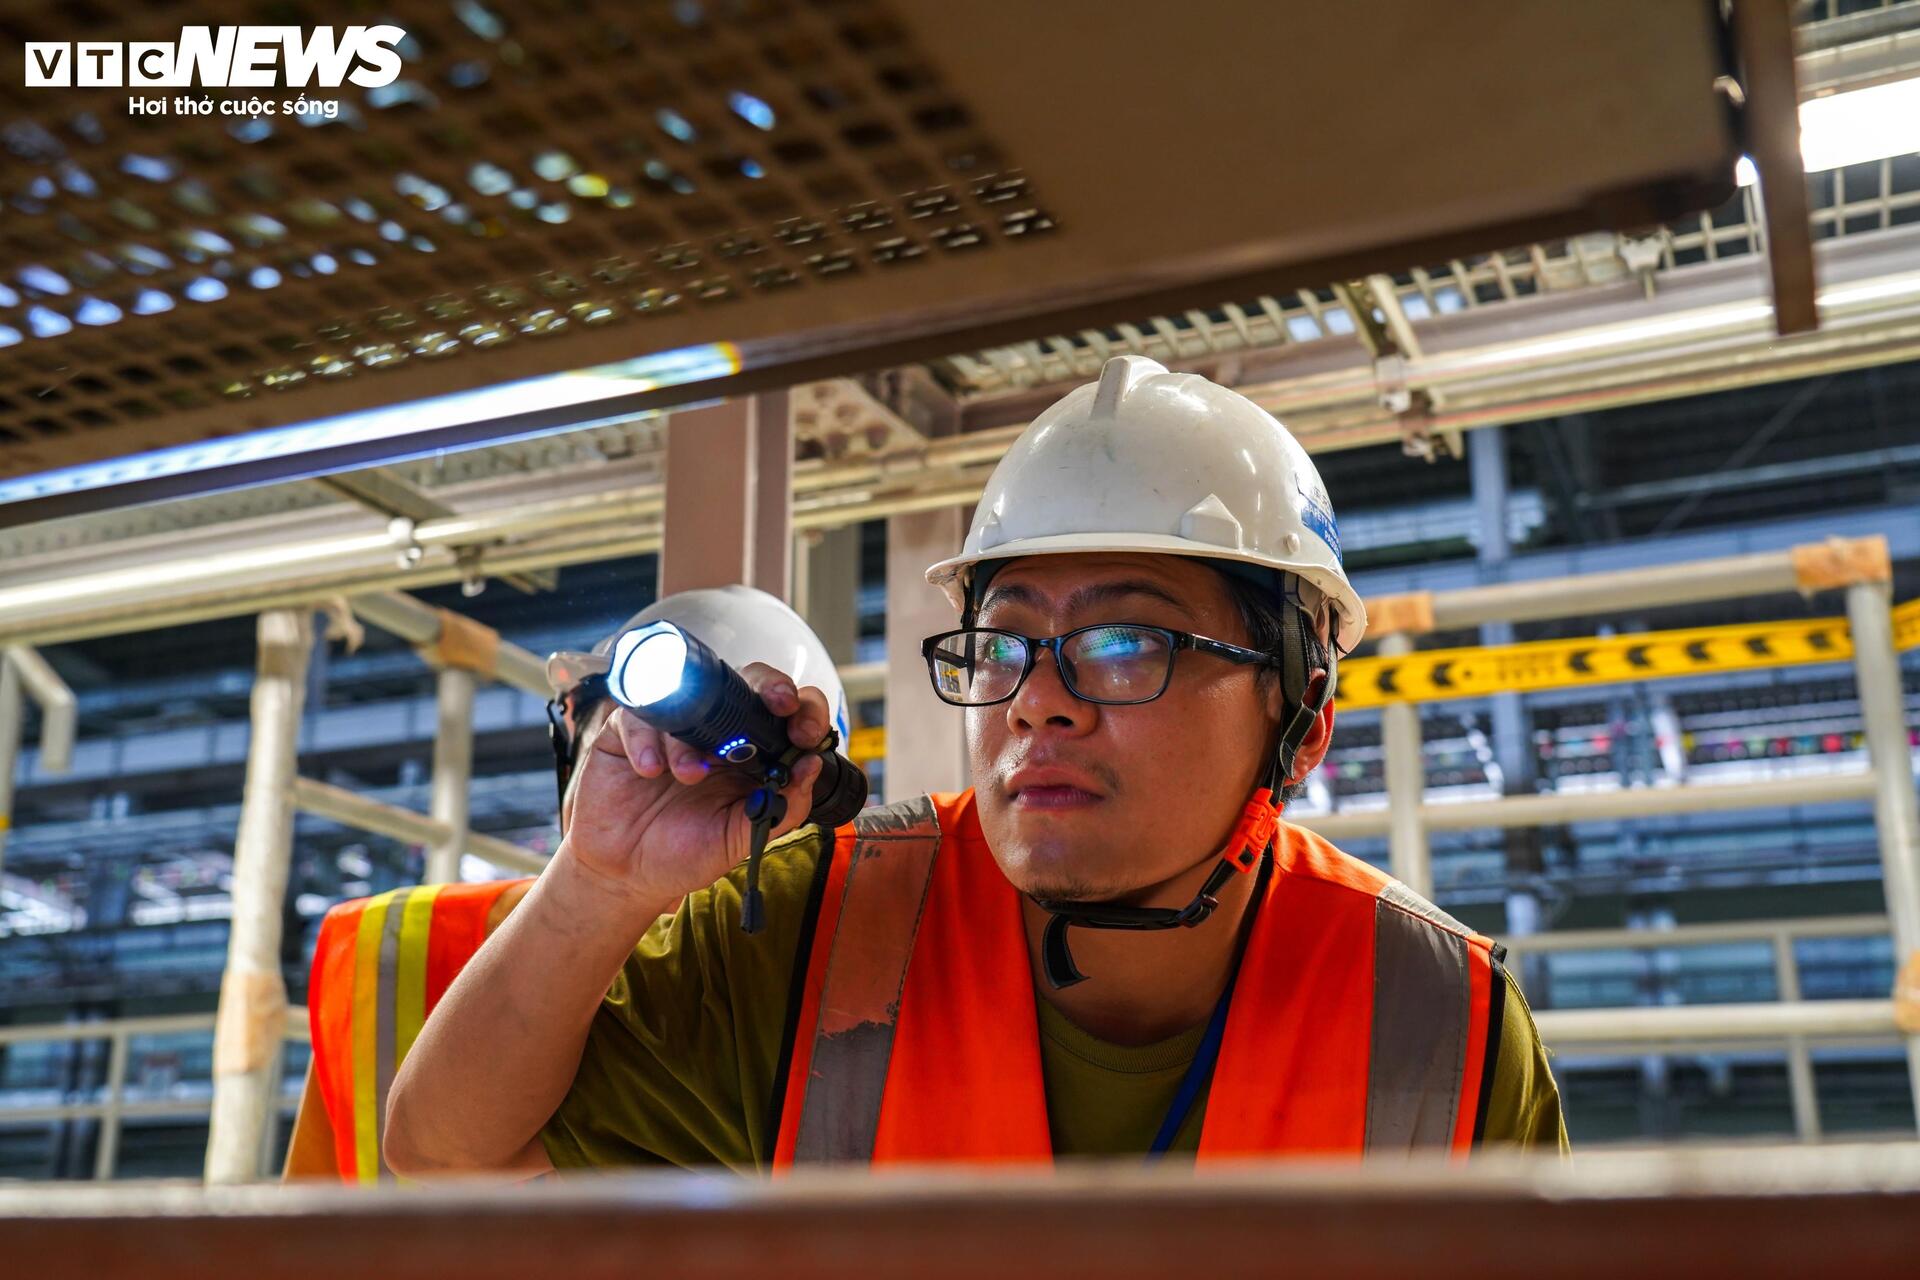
(649, 820)
(652, 819)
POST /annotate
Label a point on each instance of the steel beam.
(1763, 31)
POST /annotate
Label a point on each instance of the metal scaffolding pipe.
(1896, 811)
(337, 804)
(452, 772)
(253, 997)
(419, 624)
(504, 853)
(59, 710)
(10, 723)
(1406, 771)
(1670, 1024)
(1764, 573)
(1601, 806)
(1697, 935)
(1800, 1082)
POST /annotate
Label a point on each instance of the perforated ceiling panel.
(770, 189)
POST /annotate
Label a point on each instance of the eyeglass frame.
(1177, 641)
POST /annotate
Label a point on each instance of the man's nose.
(1045, 700)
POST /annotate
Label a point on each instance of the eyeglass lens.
(1117, 663)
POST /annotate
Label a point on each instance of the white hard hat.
(1147, 460)
(742, 625)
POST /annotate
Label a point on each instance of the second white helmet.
(743, 625)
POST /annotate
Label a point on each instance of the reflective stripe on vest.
(1360, 1022)
(380, 967)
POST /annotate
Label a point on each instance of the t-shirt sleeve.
(1523, 1107)
(680, 1061)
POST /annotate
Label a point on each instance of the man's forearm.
(497, 1057)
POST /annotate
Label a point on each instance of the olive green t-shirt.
(681, 1063)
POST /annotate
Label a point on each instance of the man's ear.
(1313, 748)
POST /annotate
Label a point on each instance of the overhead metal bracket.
(381, 491)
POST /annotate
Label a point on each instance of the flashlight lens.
(652, 667)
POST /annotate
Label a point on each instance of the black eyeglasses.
(1115, 664)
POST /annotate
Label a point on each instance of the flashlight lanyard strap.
(765, 808)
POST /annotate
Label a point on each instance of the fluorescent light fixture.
(1600, 338)
(1854, 127)
(1878, 294)
(583, 388)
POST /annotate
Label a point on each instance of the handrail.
(115, 1106)
(1694, 935)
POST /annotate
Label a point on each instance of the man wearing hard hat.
(1111, 945)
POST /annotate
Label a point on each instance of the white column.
(770, 561)
(729, 508)
(707, 537)
(926, 748)
(833, 589)
(251, 1025)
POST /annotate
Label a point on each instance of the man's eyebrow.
(1083, 597)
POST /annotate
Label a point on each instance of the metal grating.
(1852, 201)
(764, 191)
(165, 264)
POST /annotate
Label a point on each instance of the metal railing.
(23, 669)
(1789, 1020)
(114, 1105)
(276, 790)
(1862, 570)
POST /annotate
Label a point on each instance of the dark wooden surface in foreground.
(1751, 1212)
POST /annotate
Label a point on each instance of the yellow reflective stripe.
(366, 1012)
(410, 995)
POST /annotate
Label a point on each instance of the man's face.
(1086, 801)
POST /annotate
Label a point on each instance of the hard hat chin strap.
(1251, 841)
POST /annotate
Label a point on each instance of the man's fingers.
(639, 742)
(809, 724)
(775, 688)
(689, 764)
(799, 795)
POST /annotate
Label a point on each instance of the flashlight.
(678, 685)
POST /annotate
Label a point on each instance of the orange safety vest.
(1364, 1020)
(380, 967)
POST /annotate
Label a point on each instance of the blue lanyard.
(1209, 1052)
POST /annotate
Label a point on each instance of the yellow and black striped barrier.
(1435, 674)
(864, 745)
